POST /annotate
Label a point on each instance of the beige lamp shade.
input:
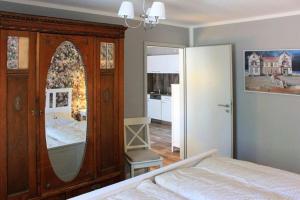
(150, 18)
(158, 10)
(126, 10)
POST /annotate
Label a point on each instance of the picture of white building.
(259, 65)
(254, 64)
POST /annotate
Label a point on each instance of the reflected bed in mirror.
(65, 134)
(61, 127)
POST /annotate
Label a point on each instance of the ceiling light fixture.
(149, 18)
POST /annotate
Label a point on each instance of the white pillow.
(63, 115)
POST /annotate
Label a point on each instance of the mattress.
(277, 181)
(198, 184)
(146, 190)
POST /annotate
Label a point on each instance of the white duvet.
(62, 132)
(199, 184)
(269, 179)
(216, 178)
(147, 190)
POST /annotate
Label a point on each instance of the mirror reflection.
(66, 111)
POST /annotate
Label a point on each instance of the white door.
(209, 99)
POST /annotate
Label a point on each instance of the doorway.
(202, 106)
(164, 86)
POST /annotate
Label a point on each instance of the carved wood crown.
(16, 21)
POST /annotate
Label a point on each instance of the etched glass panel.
(110, 56)
(107, 55)
(17, 52)
(103, 55)
(66, 99)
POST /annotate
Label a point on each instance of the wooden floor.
(160, 136)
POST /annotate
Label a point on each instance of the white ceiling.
(187, 13)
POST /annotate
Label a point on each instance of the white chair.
(137, 145)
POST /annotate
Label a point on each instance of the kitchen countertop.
(160, 94)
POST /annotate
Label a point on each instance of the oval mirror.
(66, 111)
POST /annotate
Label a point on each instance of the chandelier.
(149, 18)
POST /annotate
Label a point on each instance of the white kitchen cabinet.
(154, 109)
(166, 108)
(160, 109)
(168, 64)
(154, 64)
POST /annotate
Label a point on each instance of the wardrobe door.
(65, 90)
(18, 116)
(109, 107)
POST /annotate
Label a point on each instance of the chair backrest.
(136, 133)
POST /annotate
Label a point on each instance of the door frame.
(183, 154)
(184, 90)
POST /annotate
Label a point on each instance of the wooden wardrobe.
(27, 46)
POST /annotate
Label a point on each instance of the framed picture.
(59, 100)
(272, 71)
(62, 99)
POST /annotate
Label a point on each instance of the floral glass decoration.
(110, 55)
(107, 55)
(103, 55)
(12, 52)
(17, 52)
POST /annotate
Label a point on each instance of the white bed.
(208, 177)
(145, 190)
(61, 128)
(65, 136)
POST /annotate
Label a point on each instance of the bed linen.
(63, 131)
(202, 177)
(278, 181)
(199, 184)
(146, 190)
(52, 142)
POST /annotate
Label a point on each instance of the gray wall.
(134, 48)
(267, 124)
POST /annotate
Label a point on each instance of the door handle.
(224, 105)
